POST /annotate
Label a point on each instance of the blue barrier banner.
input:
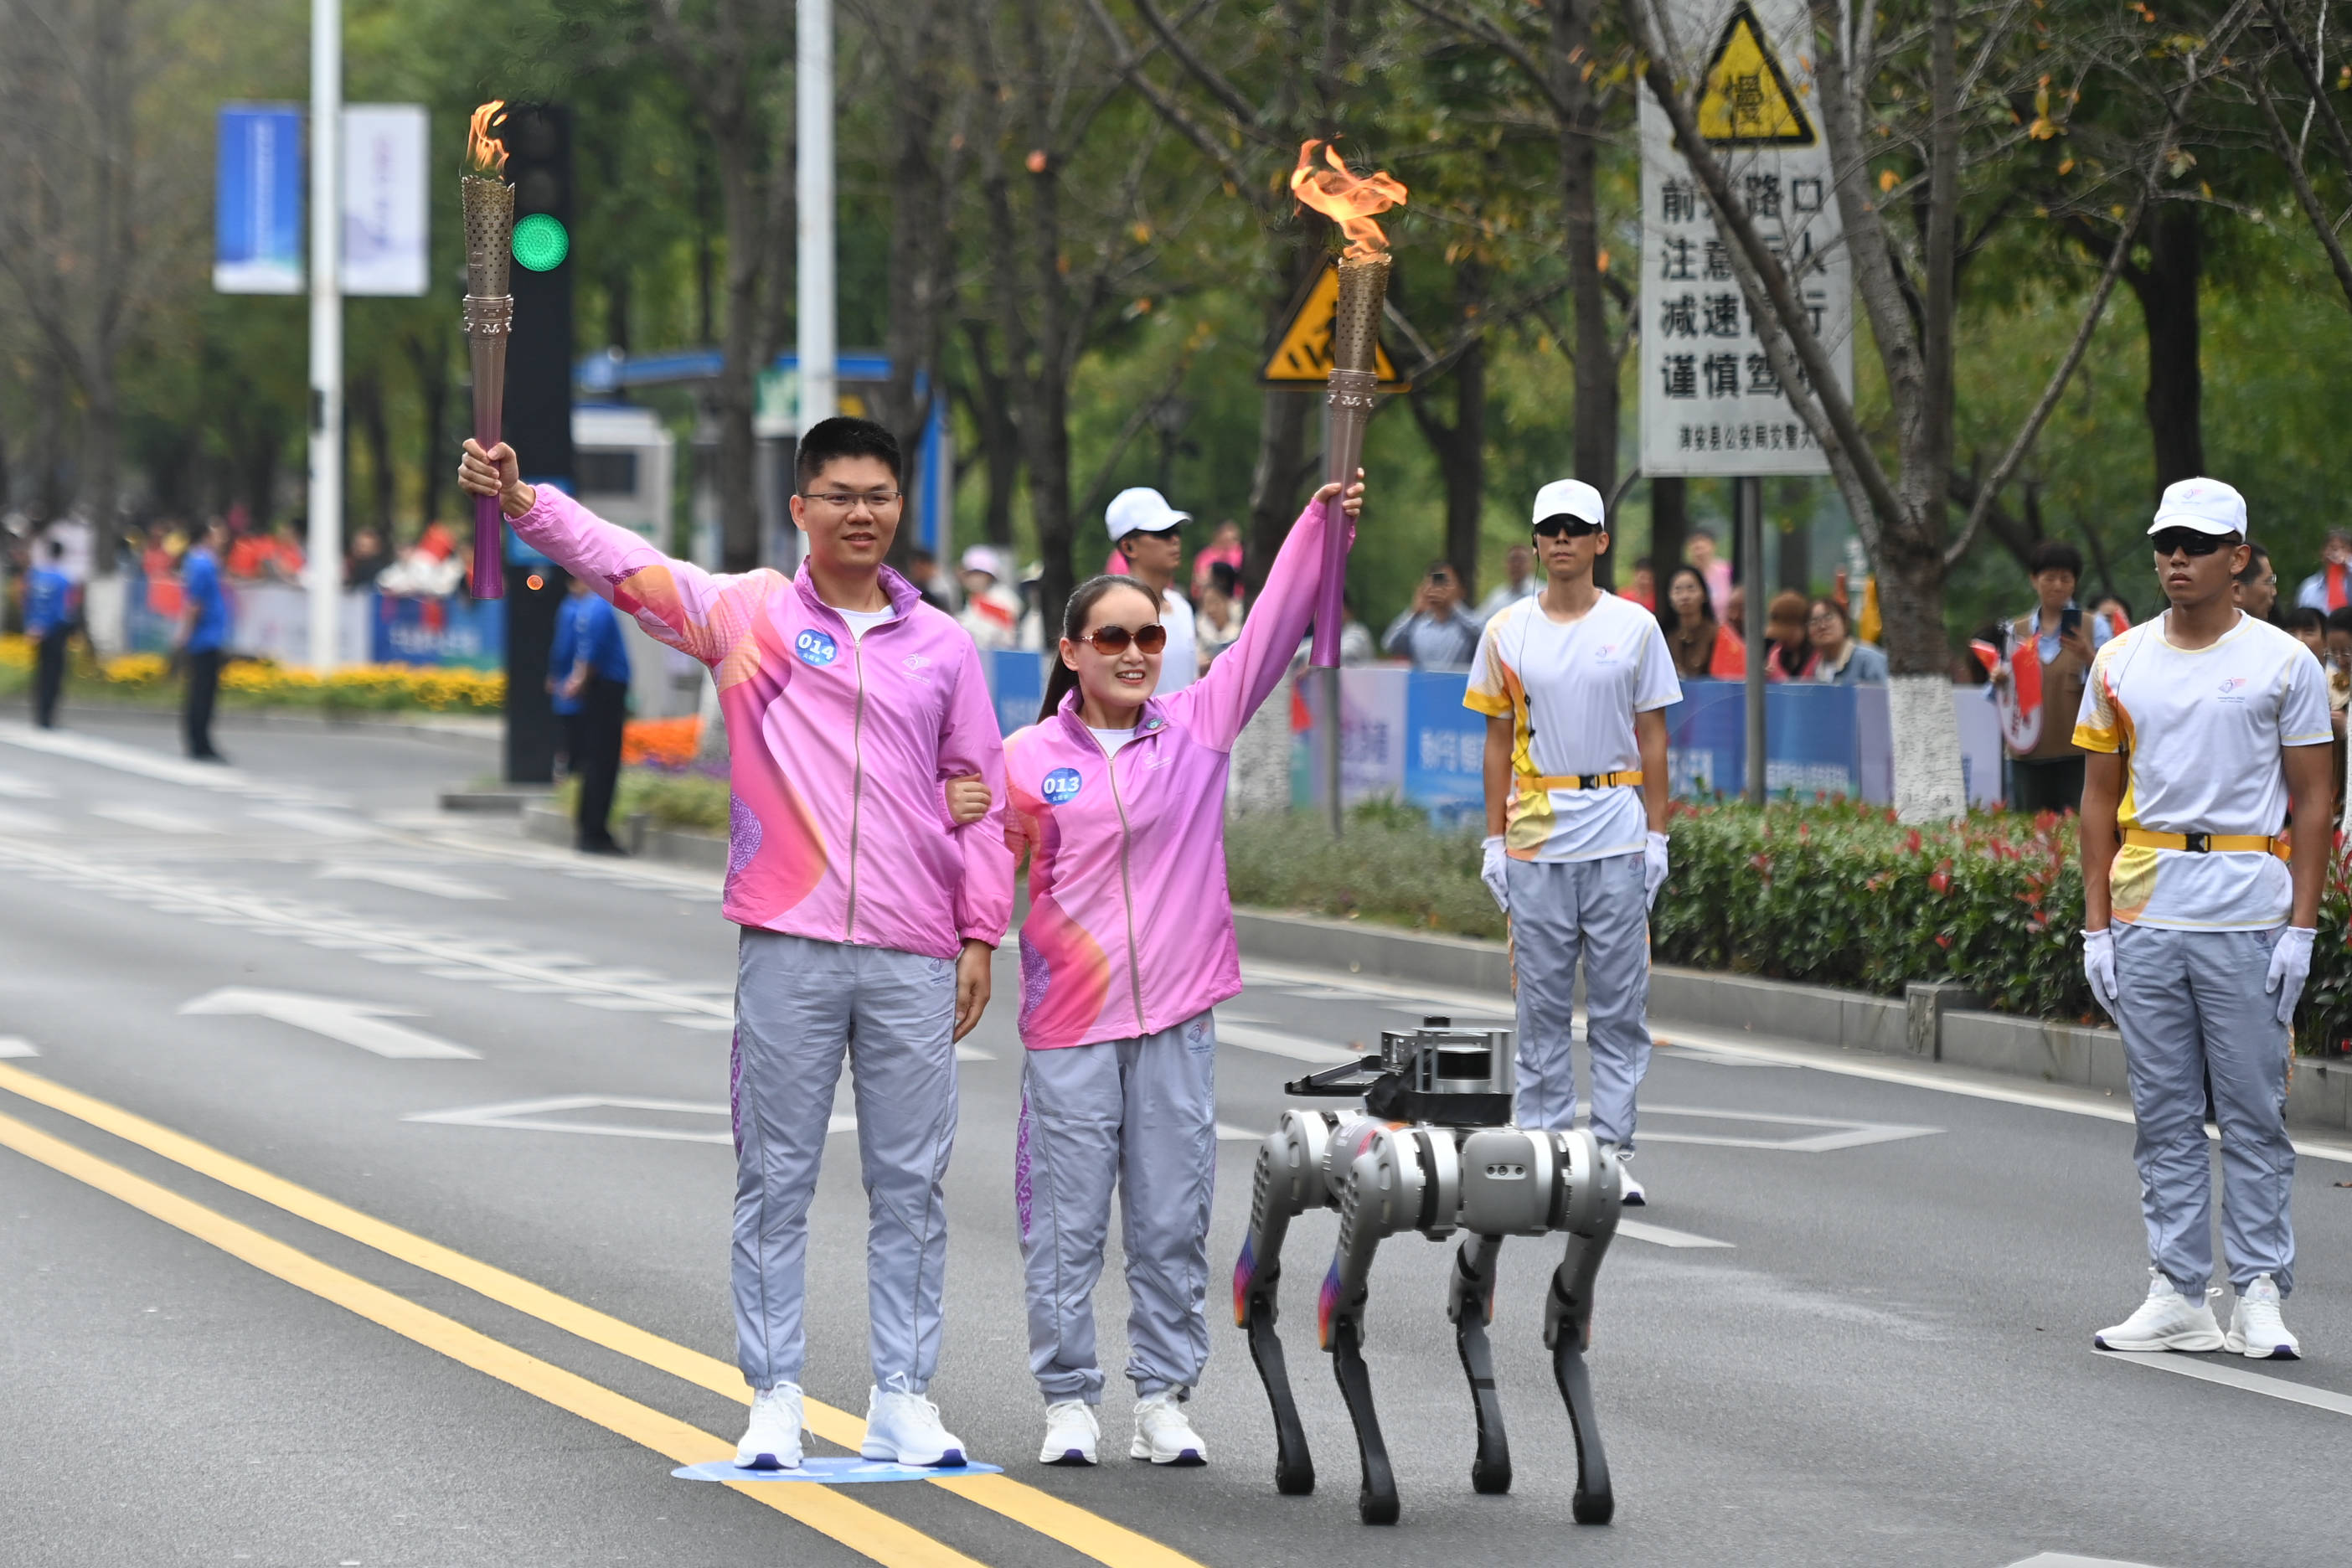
(257, 200)
(1445, 746)
(1818, 739)
(1017, 682)
(456, 631)
(1372, 700)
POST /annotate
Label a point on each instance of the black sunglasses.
(1171, 534)
(1114, 639)
(1566, 527)
(2186, 541)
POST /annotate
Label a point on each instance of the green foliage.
(695, 802)
(1390, 865)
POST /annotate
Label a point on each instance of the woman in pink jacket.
(1119, 799)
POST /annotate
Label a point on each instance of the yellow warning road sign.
(1303, 356)
(1746, 100)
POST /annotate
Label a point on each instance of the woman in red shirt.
(1702, 647)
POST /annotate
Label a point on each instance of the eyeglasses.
(1566, 527)
(2185, 541)
(1168, 535)
(1114, 639)
(845, 501)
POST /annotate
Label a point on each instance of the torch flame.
(485, 154)
(1347, 199)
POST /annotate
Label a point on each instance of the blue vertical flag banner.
(1445, 747)
(257, 200)
(386, 221)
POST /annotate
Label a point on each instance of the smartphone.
(2071, 622)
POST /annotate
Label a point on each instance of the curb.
(702, 851)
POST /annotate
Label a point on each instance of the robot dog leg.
(1392, 1185)
(1470, 1303)
(1589, 1199)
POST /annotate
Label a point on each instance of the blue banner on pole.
(257, 200)
(1445, 746)
(452, 631)
(1017, 681)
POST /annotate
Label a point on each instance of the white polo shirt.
(2201, 730)
(1572, 689)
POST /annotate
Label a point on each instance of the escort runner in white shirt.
(2204, 726)
(1574, 682)
(1148, 534)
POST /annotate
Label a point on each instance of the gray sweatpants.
(799, 1005)
(2191, 1003)
(1595, 909)
(1142, 1111)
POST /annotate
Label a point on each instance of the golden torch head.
(489, 203)
(1351, 200)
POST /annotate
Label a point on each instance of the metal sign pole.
(1748, 514)
(1334, 810)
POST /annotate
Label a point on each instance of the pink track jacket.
(840, 829)
(1130, 928)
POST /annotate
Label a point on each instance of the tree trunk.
(49, 434)
(102, 448)
(2166, 289)
(1283, 420)
(737, 393)
(1669, 528)
(428, 353)
(368, 404)
(1461, 448)
(1000, 438)
(1596, 410)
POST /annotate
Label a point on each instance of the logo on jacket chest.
(1061, 786)
(815, 647)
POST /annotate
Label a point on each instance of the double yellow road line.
(866, 1531)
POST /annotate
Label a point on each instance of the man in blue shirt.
(202, 637)
(588, 677)
(48, 621)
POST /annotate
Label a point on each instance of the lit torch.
(489, 318)
(1350, 201)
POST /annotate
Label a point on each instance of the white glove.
(2099, 965)
(1654, 867)
(2290, 967)
(1491, 872)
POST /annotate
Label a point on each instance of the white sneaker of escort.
(2167, 1320)
(2257, 1329)
(1163, 1435)
(772, 1440)
(905, 1428)
(1631, 1193)
(1071, 1433)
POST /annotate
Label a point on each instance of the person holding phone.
(1117, 798)
(2048, 774)
(1436, 633)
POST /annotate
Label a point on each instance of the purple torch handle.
(489, 355)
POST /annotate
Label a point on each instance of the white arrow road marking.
(537, 1116)
(154, 819)
(1275, 1043)
(1848, 1135)
(2217, 1368)
(359, 1023)
(324, 824)
(123, 759)
(414, 878)
(2068, 1560)
(16, 1046)
(22, 788)
(1659, 1236)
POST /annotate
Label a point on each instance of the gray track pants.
(1562, 910)
(2192, 1001)
(799, 1005)
(1142, 1111)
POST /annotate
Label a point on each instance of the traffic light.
(538, 140)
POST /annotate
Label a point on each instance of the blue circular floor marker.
(833, 1471)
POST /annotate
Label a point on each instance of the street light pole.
(326, 486)
(820, 390)
(1748, 515)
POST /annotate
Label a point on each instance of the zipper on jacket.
(1126, 883)
(856, 778)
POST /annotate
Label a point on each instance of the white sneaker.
(1630, 1192)
(1071, 1433)
(2166, 1320)
(2257, 1329)
(772, 1441)
(1163, 1435)
(905, 1428)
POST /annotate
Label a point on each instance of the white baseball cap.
(1142, 509)
(1571, 498)
(2209, 505)
(984, 558)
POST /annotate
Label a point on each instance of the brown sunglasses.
(1114, 639)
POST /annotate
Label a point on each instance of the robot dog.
(1433, 1150)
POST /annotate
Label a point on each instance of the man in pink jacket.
(869, 914)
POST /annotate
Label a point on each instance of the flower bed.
(667, 743)
(250, 682)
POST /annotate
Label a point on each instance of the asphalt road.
(364, 1188)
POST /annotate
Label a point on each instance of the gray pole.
(1748, 513)
(326, 487)
(1329, 738)
(813, 175)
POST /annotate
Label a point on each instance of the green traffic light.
(541, 242)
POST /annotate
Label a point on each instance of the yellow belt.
(2208, 843)
(1528, 783)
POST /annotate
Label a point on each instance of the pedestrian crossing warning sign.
(1746, 100)
(1302, 356)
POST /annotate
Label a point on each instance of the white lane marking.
(18, 1045)
(325, 825)
(18, 787)
(1229, 1133)
(1274, 1043)
(2068, 1560)
(623, 1003)
(1850, 1134)
(1659, 1236)
(13, 821)
(414, 878)
(683, 1020)
(137, 760)
(973, 1053)
(2218, 1369)
(154, 819)
(359, 1023)
(533, 1116)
